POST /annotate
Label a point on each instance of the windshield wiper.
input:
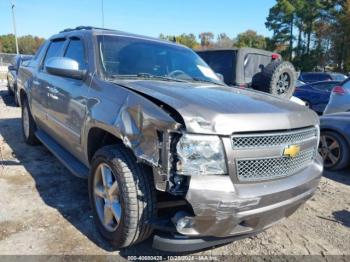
(147, 76)
(195, 79)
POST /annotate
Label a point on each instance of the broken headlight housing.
(200, 155)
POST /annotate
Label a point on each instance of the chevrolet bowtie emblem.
(291, 151)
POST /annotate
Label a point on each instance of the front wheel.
(122, 196)
(334, 150)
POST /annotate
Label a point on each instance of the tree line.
(313, 34)
(26, 44)
(207, 40)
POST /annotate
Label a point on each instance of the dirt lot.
(45, 210)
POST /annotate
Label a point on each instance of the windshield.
(124, 57)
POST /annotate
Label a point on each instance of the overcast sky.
(147, 17)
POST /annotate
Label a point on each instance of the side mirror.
(63, 66)
(11, 67)
(220, 76)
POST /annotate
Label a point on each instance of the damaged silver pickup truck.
(167, 147)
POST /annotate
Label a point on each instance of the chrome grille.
(268, 168)
(244, 141)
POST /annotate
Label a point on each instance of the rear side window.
(316, 77)
(39, 51)
(75, 51)
(253, 63)
(324, 86)
(55, 49)
(221, 62)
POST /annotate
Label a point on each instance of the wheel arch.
(98, 137)
(22, 95)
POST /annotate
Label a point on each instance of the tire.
(28, 125)
(136, 194)
(15, 95)
(277, 78)
(10, 92)
(339, 150)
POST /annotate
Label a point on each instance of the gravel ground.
(45, 210)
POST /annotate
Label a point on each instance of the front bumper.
(223, 209)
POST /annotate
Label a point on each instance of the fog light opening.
(182, 220)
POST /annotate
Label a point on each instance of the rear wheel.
(15, 95)
(10, 92)
(122, 196)
(334, 150)
(28, 125)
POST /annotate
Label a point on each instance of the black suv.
(254, 68)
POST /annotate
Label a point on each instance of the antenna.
(103, 13)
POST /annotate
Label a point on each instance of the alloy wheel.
(107, 197)
(329, 150)
(283, 83)
(25, 120)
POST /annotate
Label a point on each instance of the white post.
(14, 24)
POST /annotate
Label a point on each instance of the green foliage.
(321, 29)
(26, 44)
(250, 38)
(8, 44)
(206, 39)
(223, 41)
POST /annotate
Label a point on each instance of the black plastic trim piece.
(183, 244)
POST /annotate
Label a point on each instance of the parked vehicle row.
(17, 61)
(164, 142)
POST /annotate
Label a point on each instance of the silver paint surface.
(68, 109)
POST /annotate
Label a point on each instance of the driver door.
(67, 100)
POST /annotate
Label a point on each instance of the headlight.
(200, 154)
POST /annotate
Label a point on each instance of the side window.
(324, 86)
(323, 77)
(39, 51)
(221, 62)
(75, 51)
(308, 77)
(54, 49)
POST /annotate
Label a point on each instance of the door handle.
(52, 96)
(52, 90)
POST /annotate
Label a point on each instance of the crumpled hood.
(208, 108)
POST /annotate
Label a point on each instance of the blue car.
(316, 95)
